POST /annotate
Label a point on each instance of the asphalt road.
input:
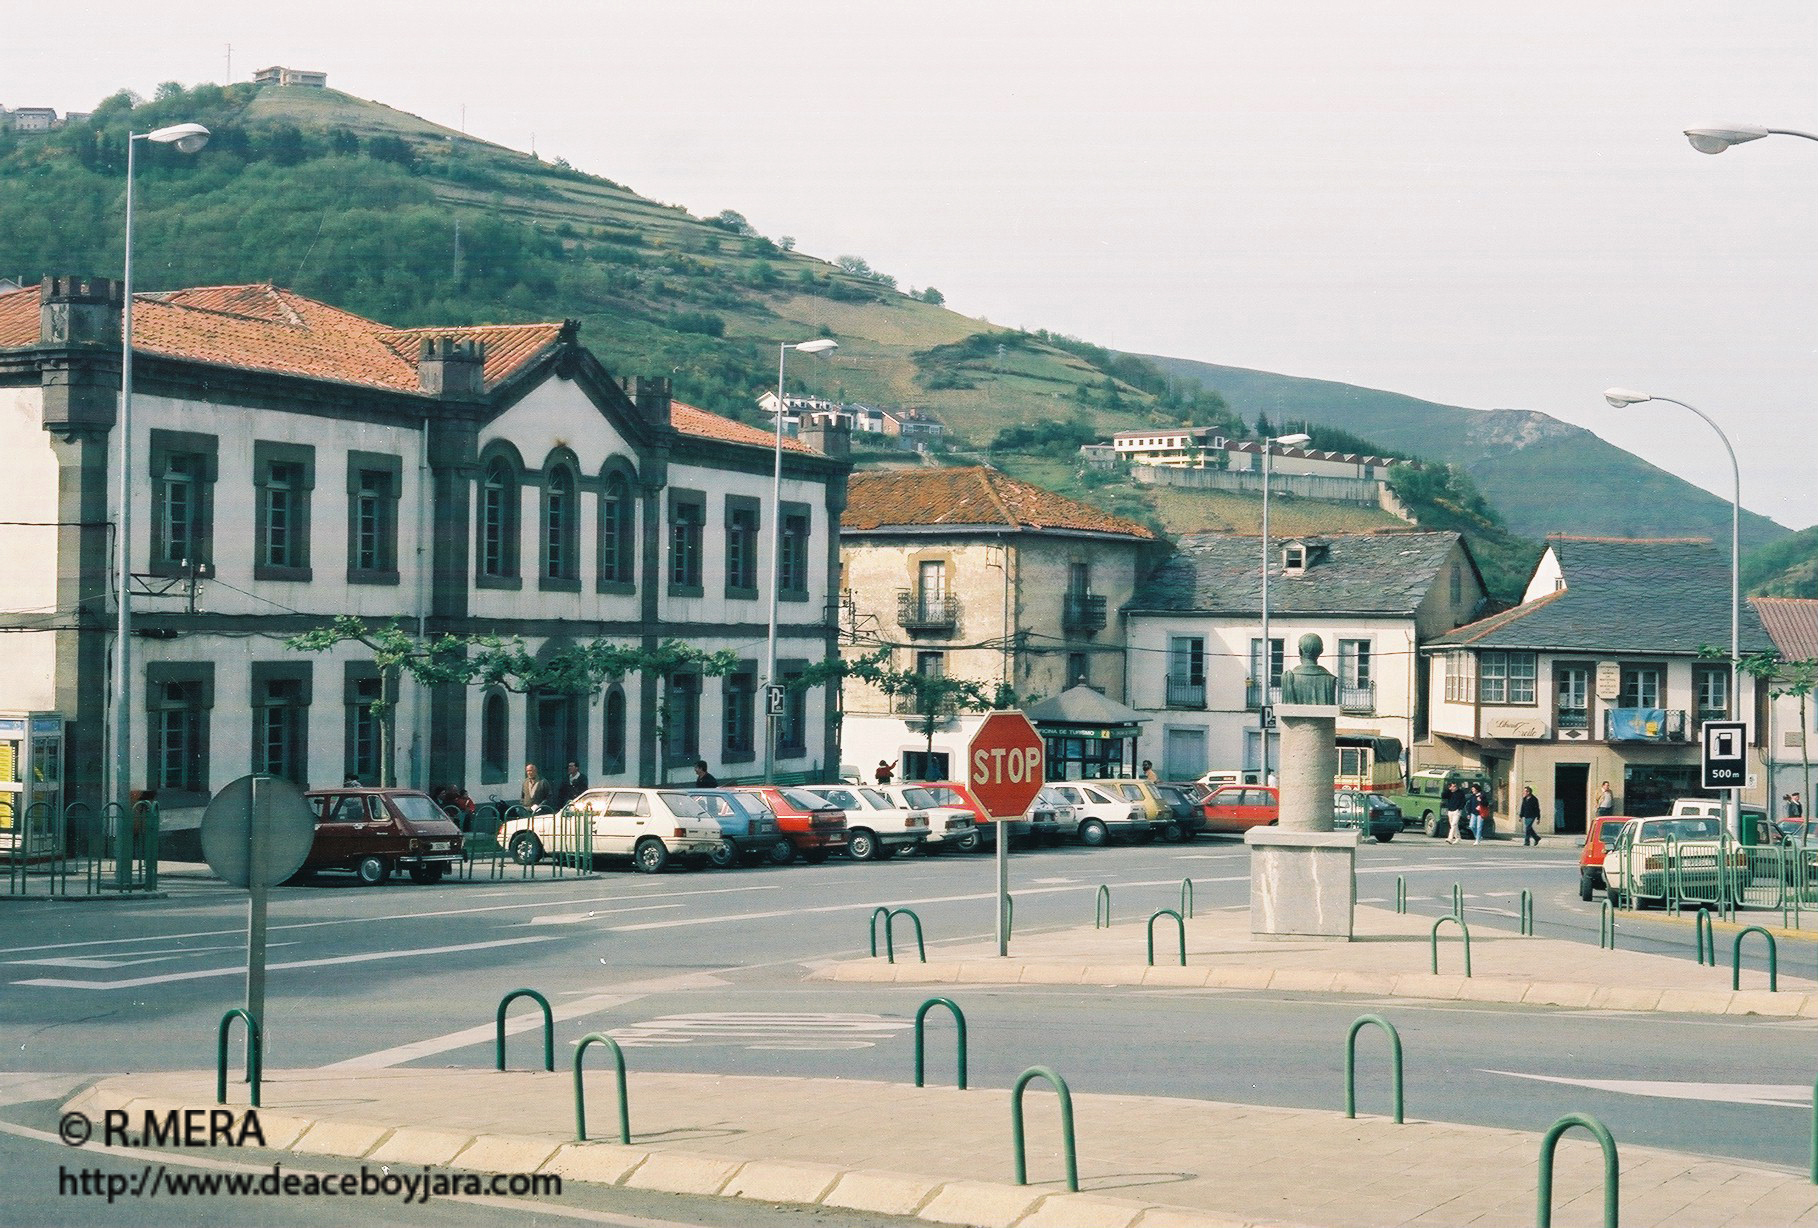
(702, 972)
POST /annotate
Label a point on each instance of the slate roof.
(1081, 705)
(1792, 623)
(974, 498)
(1624, 595)
(1360, 573)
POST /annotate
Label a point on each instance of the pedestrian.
(1480, 814)
(352, 782)
(1606, 800)
(886, 772)
(573, 785)
(1796, 809)
(1149, 773)
(1530, 815)
(703, 779)
(1452, 802)
(535, 797)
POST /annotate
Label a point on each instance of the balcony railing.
(913, 705)
(1574, 718)
(1253, 695)
(1644, 725)
(931, 612)
(1359, 699)
(1082, 612)
(1186, 692)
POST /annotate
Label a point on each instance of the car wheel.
(1430, 822)
(525, 850)
(815, 857)
(726, 854)
(1585, 886)
(373, 871)
(650, 856)
(1171, 833)
(970, 842)
(1092, 833)
(782, 853)
(1383, 837)
(430, 872)
(861, 845)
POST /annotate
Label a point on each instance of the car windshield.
(877, 799)
(683, 806)
(1680, 829)
(920, 797)
(804, 800)
(946, 796)
(416, 807)
(1608, 832)
(1169, 794)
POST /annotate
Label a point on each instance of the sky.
(1486, 204)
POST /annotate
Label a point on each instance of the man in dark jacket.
(573, 785)
(1530, 815)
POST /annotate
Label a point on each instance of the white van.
(1229, 776)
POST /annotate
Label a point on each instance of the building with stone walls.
(1195, 636)
(1596, 676)
(292, 461)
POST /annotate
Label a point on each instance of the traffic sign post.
(773, 700)
(1006, 768)
(1725, 763)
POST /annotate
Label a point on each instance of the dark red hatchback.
(375, 831)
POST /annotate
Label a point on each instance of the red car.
(1597, 840)
(815, 827)
(1235, 809)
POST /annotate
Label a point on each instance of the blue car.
(1372, 813)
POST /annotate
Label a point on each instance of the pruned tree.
(935, 697)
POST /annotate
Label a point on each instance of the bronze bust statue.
(1309, 682)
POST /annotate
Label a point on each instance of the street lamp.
(1622, 398)
(820, 345)
(1717, 138)
(1295, 440)
(188, 138)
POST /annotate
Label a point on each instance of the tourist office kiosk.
(31, 785)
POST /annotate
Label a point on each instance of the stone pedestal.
(1303, 874)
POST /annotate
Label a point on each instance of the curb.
(1569, 995)
(973, 1203)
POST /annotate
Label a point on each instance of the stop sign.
(1005, 764)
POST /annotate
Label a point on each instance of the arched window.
(618, 531)
(613, 744)
(498, 527)
(560, 529)
(495, 739)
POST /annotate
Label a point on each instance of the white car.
(650, 826)
(1066, 814)
(1098, 816)
(876, 827)
(949, 827)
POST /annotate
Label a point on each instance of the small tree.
(934, 696)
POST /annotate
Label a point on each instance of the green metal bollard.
(255, 1054)
(1434, 939)
(580, 1101)
(1186, 897)
(890, 917)
(1101, 908)
(1458, 901)
(879, 911)
(1704, 933)
(1351, 1062)
(1182, 925)
(1736, 959)
(548, 1026)
(1016, 1124)
(1527, 913)
(1544, 1215)
(1606, 926)
(959, 1020)
(1401, 894)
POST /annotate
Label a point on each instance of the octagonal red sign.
(1005, 764)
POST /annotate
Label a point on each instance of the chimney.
(79, 311)
(451, 368)
(650, 394)
(827, 435)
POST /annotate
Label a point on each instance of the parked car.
(1654, 858)
(1425, 788)
(374, 831)
(1139, 793)
(1066, 814)
(876, 827)
(1219, 777)
(748, 831)
(814, 826)
(1036, 821)
(1235, 809)
(651, 826)
(1371, 813)
(949, 827)
(1100, 816)
(1183, 817)
(1598, 838)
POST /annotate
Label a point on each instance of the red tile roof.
(265, 328)
(691, 421)
(1792, 623)
(975, 497)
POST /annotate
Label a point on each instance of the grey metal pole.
(256, 896)
(776, 574)
(1266, 656)
(120, 789)
(1003, 885)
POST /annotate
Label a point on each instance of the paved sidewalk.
(944, 1155)
(1391, 955)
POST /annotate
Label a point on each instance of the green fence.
(80, 850)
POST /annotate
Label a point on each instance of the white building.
(1185, 447)
(293, 461)
(1195, 636)
(1790, 749)
(279, 75)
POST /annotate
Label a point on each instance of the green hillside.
(1784, 568)
(1544, 475)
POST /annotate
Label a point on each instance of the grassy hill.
(1544, 475)
(1784, 568)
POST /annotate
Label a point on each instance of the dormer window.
(1294, 559)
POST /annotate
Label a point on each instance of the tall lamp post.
(1269, 444)
(1621, 398)
(188, 138)
(820, 345)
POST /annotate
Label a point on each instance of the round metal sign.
(275, 813)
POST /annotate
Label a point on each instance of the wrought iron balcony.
(1644, 725)
(936, 613)
(1573, 718)
(1358, 699)
(1082, 612)
(1253, 695)
(913, 705)
(1186, 692)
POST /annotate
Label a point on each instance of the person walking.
(1795, 809)
(1606, 800)
(573, 785)
(703, 779)
(535, 797)
(1149, 773)
(1480, 811)
(1530, 815)
(1452, 803)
